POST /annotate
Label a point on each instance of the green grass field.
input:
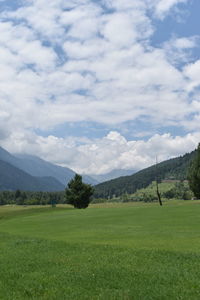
(112, 251)
(151, 188)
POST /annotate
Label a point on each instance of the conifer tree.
(194, 174)
(78, 193)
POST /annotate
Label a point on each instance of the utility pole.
(157, 189)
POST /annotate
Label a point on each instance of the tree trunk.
(158, 194)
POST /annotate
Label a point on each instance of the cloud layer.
(94, 61)
(99, 156)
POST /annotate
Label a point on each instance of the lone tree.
(194, 174)
(78, 193)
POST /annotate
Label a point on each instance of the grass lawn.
(112, 251)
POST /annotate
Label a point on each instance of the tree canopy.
(78, 193)
(194, 174)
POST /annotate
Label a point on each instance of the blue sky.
(100, 85)
(187, 25)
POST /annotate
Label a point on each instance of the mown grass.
(120, 251)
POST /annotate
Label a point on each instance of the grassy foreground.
(119, 251)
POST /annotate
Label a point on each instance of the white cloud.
(179, 50)
(77, 61)
(185, 43)
(100, 156)
(90, 49)
(119, 30)
(192, 71)
(162, 7)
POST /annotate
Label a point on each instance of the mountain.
(38, 167)
(112, 175)
(89, 179)
(6, 156)
(175, 168)
(12, 178)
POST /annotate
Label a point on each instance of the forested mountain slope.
(12, 178)
(175, 168)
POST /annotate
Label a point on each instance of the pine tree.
(194, 174)
(78, 193)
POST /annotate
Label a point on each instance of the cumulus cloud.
(101, 53)
(192, 71)
(100, 156)
(79, 61)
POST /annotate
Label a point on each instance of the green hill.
(175, 168)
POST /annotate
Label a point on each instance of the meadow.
(107, 251)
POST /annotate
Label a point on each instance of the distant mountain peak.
(112, 174)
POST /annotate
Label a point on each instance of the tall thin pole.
(157, 189)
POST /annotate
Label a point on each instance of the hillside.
(38, 167)
(175, 168)
(12, 178)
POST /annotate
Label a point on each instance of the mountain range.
(12, 178)
(27, 172)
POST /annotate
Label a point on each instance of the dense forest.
(175, 168)
(31, 198)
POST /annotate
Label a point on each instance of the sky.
(97, 85)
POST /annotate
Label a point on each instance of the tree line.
(80, 194)
(77, 193)
(31, 198)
